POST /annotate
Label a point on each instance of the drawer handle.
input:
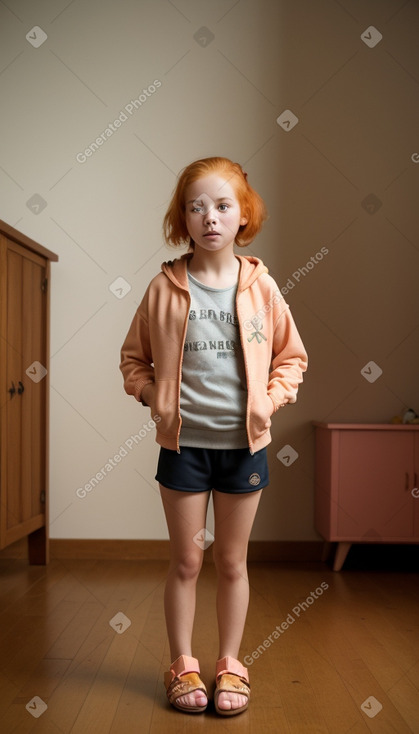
(12, 390)
(20, 388)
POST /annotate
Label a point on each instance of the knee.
(187, 567)
(230, 565)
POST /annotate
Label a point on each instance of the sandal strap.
(184, 664)
(183, 677)
(180, 687)
(232, 666)
(231, 683)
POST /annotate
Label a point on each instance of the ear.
(243, 221)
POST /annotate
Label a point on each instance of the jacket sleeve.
(136, 357)
(289, 358)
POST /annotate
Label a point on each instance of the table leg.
(341, 552)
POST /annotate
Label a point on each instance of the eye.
(225, 207)
(196, 209)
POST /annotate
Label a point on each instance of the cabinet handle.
(20, 388)
(12, 390)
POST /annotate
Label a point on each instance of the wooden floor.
(357, 640)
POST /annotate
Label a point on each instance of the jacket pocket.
(261, 408)
(166, 407)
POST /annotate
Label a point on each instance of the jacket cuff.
(138, 388)
(282, 404)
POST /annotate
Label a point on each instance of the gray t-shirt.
(213, 392)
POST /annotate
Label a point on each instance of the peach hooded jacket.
(274, 355)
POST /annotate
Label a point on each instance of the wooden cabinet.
(366, 484)
(24, 390)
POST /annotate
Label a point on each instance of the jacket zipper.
(247, 375)
(185, 327)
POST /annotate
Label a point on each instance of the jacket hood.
(250, 269)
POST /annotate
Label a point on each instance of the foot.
(185, 689)
(232, 686)
(196, 698)
(228, 701)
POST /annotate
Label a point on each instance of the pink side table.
(366, 485)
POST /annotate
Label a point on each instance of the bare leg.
(234, 516)
(185, 515)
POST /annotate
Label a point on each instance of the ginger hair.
(252, 205)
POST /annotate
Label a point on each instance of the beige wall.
(357, 110)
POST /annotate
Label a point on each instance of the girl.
(213, 351)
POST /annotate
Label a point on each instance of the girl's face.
(212, 212)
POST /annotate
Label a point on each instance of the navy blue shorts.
(234, 471)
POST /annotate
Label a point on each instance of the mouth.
(212, 233)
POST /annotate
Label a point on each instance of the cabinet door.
(23, 424)
(375, 481)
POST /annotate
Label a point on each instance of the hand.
(148, 396)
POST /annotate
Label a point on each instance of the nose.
(210, 215)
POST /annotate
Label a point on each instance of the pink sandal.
(181, 679)
(231, 677)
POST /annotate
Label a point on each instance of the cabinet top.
(367, 426)
(13, 234)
